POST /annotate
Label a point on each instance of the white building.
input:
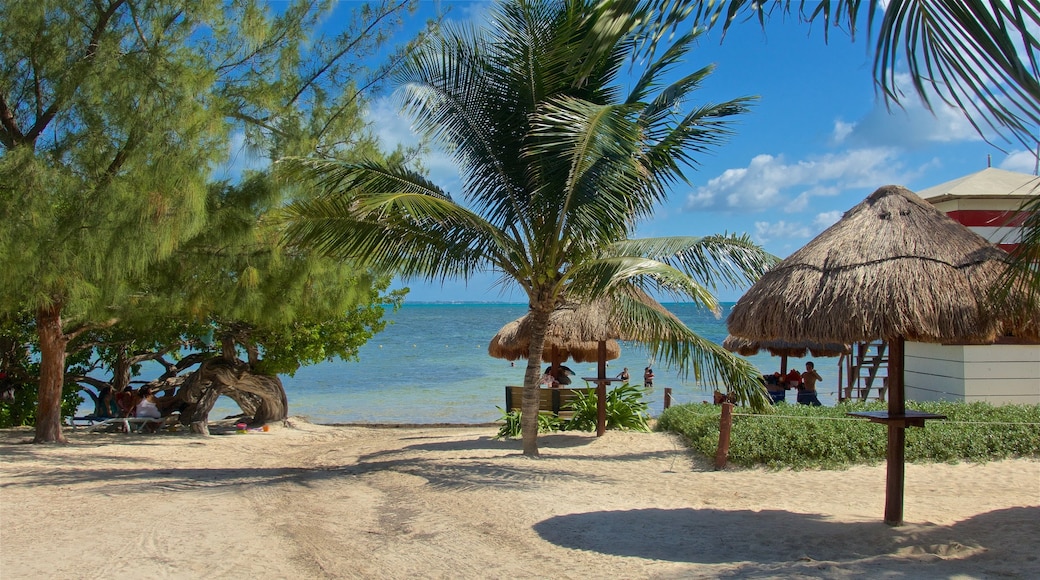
(986, 202)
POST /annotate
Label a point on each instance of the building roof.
(986, 184)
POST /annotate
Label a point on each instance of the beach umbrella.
(893, 268)
(583, 331)
(574, 332)
(783, 348)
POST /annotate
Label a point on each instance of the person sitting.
(807, 390)
(126, 400)
(106, 406)
(549, 380)
(777, 394)
(561, 373)
(147, 408)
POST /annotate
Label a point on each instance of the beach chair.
(128, 424)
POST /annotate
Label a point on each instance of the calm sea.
(431, 365)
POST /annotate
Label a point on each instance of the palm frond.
(603, 276)
(716, 260)
(672, 343)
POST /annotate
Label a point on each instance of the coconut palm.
(559, 163)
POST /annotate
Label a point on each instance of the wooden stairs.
(864, 367)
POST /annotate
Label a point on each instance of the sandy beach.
(313, 501)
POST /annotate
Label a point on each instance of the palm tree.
(559, 164)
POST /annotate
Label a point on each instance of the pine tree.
(113, 115)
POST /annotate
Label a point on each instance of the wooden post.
(725, 427)
(896, 436)
(601, 390)
(667, 397)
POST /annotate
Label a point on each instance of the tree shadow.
(768, 541)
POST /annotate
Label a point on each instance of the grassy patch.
(798, 436)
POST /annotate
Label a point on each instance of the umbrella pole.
(783, 366)
(601, 390)
(896, 435)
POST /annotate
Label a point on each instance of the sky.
(817, 142)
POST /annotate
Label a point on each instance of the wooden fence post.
(725, 427)
(667, 397)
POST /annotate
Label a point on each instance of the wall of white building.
(999, 373)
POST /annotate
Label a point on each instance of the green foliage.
(799, 436)
(626, 410)
(547, 423)
(22, 411)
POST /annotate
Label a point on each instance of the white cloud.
(826, 219)
(793, 234)
(907, 125)
(1022, 161)
(771, 182)
(781, 230)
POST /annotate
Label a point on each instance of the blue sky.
(817, 142)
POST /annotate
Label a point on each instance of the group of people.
(805, 383)
(127, 403)
(560, 375)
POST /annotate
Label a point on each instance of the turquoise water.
(431, 365)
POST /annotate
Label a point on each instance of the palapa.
(584, 332)
(574, 332)
(784, 348)
(893, 268)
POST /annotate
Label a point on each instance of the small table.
(603, 380)
(907, 419)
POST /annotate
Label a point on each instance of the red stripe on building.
(987, 217)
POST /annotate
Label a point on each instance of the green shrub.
(798, 436)
(625, 407)
(547, 423)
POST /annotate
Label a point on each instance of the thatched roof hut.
(784, 348)
(574, 332)
(893, 266)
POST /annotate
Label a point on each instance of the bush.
(626, 410)
(547, 423)
(798, 436)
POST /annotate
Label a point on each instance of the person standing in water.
(807, 390)
(648, 378)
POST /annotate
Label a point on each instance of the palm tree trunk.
(52, 374)
(532, 378)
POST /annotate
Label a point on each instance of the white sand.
(451, 502)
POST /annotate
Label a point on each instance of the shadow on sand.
(769, 541)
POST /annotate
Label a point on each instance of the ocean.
(431, 365)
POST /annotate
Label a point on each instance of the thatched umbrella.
(783, 348)
(584, 332)
(892, 268)
(567, 336)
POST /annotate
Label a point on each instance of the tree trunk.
(52, 374)
(260, 396)
(121, 371)
(532, 378)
